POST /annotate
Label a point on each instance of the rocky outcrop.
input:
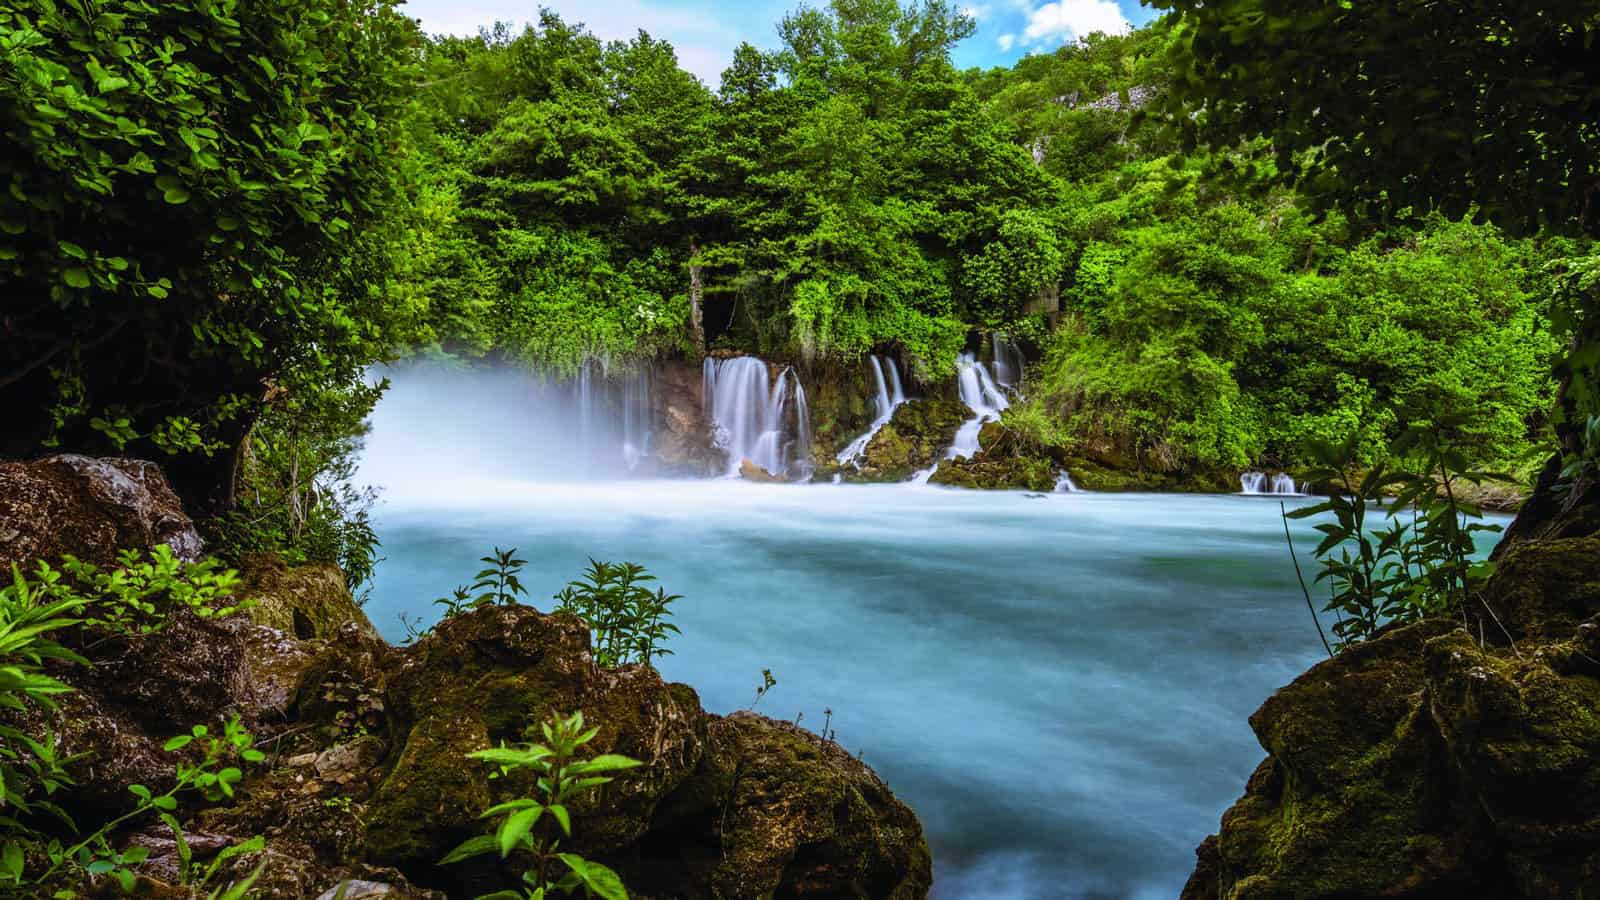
(683, 433)
(90, 508)
(307, 601)
(1000, 464)
(1432, 761)
(368, 779)
(915, 438)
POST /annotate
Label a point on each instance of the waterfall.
(614, 416)
(1065, 485)
(1008, 362)
(1259, 483)
(637, 419)
(889, 395)
(981, 395)
(756, 417)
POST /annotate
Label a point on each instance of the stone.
(915, 438)
(88, 507)
(308, 601)
(1431, 762)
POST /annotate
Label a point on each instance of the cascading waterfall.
(981, 395)
(1008, 362)
(890, 395)
(1259, 483)
(1065, 484)
(757, 417)
(614, 415)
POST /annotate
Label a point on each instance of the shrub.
(627, 619)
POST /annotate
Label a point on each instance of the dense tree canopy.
(200, 197)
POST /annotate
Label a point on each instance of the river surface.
(1058, 684)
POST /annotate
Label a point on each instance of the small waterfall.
(1065, 485)
(981, 395)
(614, 415)
(1259, 483)
(1008, 362)
(756, 417)
(889, 395)
(637, 418)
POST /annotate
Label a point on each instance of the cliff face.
(1432, 761)
(367, 784)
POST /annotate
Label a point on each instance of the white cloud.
(977, 11)
(1005, 42)
(1066, 20)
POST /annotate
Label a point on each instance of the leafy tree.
(199, 198)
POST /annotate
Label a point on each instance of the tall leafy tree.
(197, 203)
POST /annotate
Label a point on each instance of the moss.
(307, 601)
(984, 471)
(433, 795)
(915, 438)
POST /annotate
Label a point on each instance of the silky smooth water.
(1058, 684)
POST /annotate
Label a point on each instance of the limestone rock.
(1423, 763)
(915, 438)
(90, 508)
(307, 601)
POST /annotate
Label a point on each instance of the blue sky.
(704, 32)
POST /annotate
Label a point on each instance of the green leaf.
(516, 827)
(467, 849)
(598, 879)
(76, 277)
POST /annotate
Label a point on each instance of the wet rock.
(307, 601)
(749, 471)
(90, 508)
(1425, 763)
(683, 437)
(915, 438)
(776, 811)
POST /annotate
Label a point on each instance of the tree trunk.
(697, 326)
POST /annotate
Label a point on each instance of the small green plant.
(767, 684)
(212, 773)
(1583, 462)
(134, 596)
(499, 583)
(30, 771)
(536, 825)
(1420, 562)
(628, 619)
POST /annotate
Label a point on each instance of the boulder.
(308, 601)
(915, 438)
(749, 471)
(1433, 762)
(90, 508)
(722, 807)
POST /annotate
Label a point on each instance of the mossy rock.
(307, 601)
(993, 472)
(1430, 761)
(915, 438)
(788, 814)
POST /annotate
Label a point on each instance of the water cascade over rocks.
(757, 417)
(1008, 362)
(890, 395)
(981, 395)
(1259, 483)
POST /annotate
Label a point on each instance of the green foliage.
(627, 619)
(132, 600)
(136, 595)
(767, 684)
(1421, 563)
(499, 583)
(1354, 119)
(30, 771)
(536, 825)
(200, 196)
